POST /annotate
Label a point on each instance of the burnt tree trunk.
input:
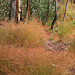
(55, 18)
(46, 16)
(65, 10)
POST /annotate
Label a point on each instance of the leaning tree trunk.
(46, 16)
(55, 18)
(18, 10)
(65, 10)
(12, 10)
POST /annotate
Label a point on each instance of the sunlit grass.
(27, 34)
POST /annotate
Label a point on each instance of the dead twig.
(50, 47)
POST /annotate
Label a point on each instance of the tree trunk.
(12, 10)
(65, 10)
(27, 12)
(46, 16)
(21, 10)
(55, 18)
(74, 1)
(28, 9)
(18, 10)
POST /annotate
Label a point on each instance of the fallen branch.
(50, 47)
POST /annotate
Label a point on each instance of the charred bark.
(55, 18)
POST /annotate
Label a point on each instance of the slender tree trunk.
(28, 9)
(12, 10)
(21, 10)
(17, 7)
(55, 18)
(27, 13)
(65, 10)
(18, 10)
(46, 16)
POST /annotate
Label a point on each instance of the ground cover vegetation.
(37, 37)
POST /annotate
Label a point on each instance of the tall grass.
(27, 34)
(11, 63)
(64, 29)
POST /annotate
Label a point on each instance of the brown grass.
(27, 34)
(36, 61)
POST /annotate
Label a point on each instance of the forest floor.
(52, 57)
(49, 54)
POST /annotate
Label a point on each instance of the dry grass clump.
(27, 34)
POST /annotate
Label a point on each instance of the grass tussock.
(64, 29)
(27, 34)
